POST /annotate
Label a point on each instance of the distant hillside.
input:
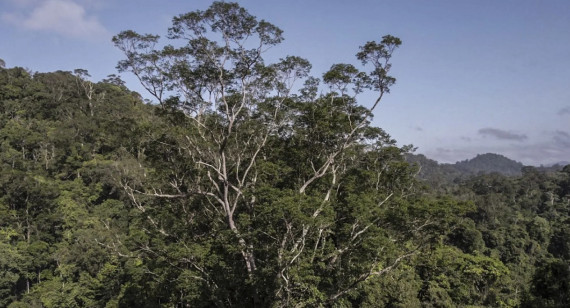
(488, 163)
(553, 167)
(434, 173)
(437, 174)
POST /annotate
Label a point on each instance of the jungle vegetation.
(252, 184)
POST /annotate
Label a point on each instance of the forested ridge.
(253, 184)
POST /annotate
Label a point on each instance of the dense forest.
(252, 184)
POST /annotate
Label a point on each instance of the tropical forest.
(240, 181)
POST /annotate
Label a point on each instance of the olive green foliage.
(60, 136)
(252, 184)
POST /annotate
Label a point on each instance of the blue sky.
(473, 76)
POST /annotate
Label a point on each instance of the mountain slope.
(436, 174)
(488, 163)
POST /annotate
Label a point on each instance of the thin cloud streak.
(564, 111)
(563, 139)
(502, 134)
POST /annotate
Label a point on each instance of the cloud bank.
(502, 134)
(64, 17)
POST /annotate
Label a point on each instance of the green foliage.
(234, 190)
(550, 285)
(58, 139)
(454, 278)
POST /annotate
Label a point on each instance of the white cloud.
(65, 17)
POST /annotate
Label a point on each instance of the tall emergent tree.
(251, 193)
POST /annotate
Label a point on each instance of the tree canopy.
(252, 184)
